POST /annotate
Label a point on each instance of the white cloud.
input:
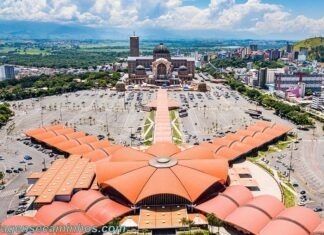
(225, 15)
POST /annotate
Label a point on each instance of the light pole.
(290, 162)
(42, 122)
(131, 135)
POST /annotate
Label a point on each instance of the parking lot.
(118, 116)
(99, 112)
(205, 116)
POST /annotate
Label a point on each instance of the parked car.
(27, 157)
(9, 212)
(317, 209)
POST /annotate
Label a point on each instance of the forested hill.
(315, 48)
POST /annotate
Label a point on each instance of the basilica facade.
(160, 68)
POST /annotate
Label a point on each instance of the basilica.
(160, 68)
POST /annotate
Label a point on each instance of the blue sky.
(260, 19)
(310, 8)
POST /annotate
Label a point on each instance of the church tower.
(134, 45)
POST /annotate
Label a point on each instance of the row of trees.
(241, 63)
(44, 85)
(317, 53)
(282, 109)
(267, 64)
(5, 114)
(63, 58)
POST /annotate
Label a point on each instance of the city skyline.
(219, 19)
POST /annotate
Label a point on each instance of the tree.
(214, 221)
(183, 221)
(1, 176)
(308, 92)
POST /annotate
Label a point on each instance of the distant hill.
(315, 48)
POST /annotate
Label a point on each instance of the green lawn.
(175, 134)
(147, 124)
(289, 198)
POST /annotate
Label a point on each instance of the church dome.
(140, 67)
(161, 49)
(182, 68)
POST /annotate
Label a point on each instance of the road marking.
(7, 193)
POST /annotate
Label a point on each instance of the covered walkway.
(162, 129)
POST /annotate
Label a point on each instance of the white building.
(271, 74)
(318, 102)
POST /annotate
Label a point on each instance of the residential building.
(254, 47)
(284, 81)
(7, 72)
(318, 101)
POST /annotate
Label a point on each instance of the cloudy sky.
(273, 19)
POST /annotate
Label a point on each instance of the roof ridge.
(180, 183)
(146, 182)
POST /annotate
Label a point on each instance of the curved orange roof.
(46, 135)
(78, 134)
(264, 137)
(235, 136)
(56, 140)
(213, 147)
(20, 221)
(163, 149)
(283, 227)
(241, 217)
(319, 229)
(220, 206)
(228, 153)
(106, 210)
(88, 208)
(301, 215)
(269, 204)
(197, 152)
(226, 202)
(107, 170)
(67, 145)
(273, 132)
(245, 132)
(241, 147)
(76, 218)
(80, 149)
(254, 142)
(96, 155)
(238, 193)
(85, 198)
(137, 179)
(223, 141)
(64, 131)
(54, 127)
(32, 133)
(88, 139)
(281, 129)
(48, 214)
(256, 128)
(100, 144)
(101, 153)
(129, 154)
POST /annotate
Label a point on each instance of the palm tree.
(90, 120)
(213, 220)
(183, 221)
(1, 176)
(190, 224)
